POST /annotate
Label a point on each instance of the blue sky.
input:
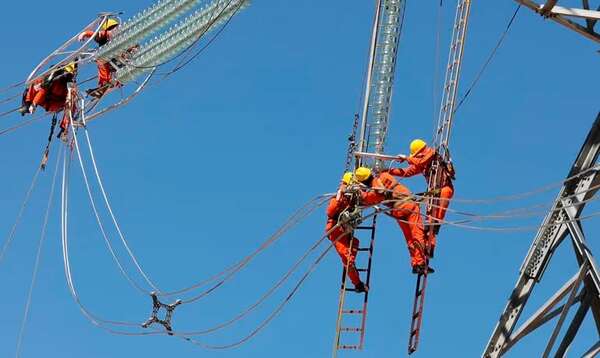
(201, 169)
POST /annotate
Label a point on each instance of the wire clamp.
(169, 309)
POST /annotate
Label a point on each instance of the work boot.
(361, 287)
(420, 269)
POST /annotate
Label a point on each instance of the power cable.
(489, 59)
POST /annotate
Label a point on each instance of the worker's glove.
(401, 158)
(82, 37)
(352, 189)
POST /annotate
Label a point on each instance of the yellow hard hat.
(362, 173)
(347, 178)
(70, 67)
(109, 24)
(416, 146)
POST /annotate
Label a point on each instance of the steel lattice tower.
(563, 220)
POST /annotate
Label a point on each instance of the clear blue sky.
(201, 169)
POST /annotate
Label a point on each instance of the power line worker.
(420, 161)
(50, 92)
(105, 69)
(345, 245)
(385, 188)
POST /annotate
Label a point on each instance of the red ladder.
(346, 315)
(417, 316)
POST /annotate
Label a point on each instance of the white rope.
(13, 230)
(38, 258)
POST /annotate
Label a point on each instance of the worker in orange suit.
(345, 245)
(51, 92)
(420, 162)
(384, 188)
(105, 70)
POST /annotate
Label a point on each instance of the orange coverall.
(420, 163)
(52, 96)
(406, 211)
(341, 239)
(105, 70)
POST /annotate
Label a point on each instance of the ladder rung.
(365, 228)
(361, 270)
(352, 311)
(348, 347)
(364, 249)
(350, 329)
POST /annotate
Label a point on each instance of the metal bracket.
(169, 309)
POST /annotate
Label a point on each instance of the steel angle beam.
(568, 16)
(561, 221)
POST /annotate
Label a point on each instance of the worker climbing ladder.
(387, 26)
(352, 311)
(440, 143)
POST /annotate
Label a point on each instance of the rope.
(38, 258)
(13, 230)
(489, 59)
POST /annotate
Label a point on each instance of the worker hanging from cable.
(405, 209)
(105, 68)
(341, 237)
(421, 160)
(51, 93)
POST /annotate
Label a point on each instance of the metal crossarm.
(156, 306)
(581, 185)
(357, 317)
(582, 20)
